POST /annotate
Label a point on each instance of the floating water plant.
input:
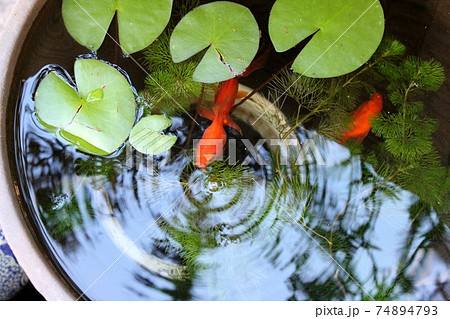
(97, 115)
(140, 21)
(146, 135)
(345, 33)
(227, 30)
(229, 34)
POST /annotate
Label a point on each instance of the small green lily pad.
(99, 116)
(140, 21)
(146, 135)
(346, 33)
(227, 29)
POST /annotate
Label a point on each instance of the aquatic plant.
(230, 35)
(290, 190)
(407, 132)
(98, 166)
(228, 31)
(330, 101)
(408, 154)
(335, 27)
(140, 21)
(189, 242)
(146, 135)
(228, 176)
(98, 115)
(169, 87)
(62, 214)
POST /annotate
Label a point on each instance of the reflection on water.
(120, 231)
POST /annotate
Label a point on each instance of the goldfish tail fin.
(229, 122)
(206, 113)
(359, 138)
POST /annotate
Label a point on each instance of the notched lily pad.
(146, 136)
(347, 33)
(140, 21)
(228, 31)
(99, 116)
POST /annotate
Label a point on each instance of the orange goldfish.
(362, 119)
(210, 147)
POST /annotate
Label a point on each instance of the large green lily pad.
(140, 21)
(99, 116)
(346, 33)
(227, 29)
(146, 136)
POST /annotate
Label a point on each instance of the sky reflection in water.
(263, 246)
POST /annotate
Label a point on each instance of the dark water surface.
(117, 230)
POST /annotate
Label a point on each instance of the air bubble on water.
(213, 185)
(59, 201)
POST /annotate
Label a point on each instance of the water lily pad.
(227, 29)
(99, 116)
(146, 136)
(346, 33)
(140, 21)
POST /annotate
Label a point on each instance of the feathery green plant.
(332, 99)
(62, 215)
(406, 156)
(407, 132)
(410, 158)
(229, 176)
(170, 86)
(98, 166)
(189, 242)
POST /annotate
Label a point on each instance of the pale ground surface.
(6, 7)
